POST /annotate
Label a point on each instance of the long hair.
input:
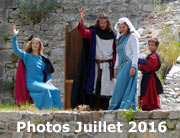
(29, 46)
(106, 18)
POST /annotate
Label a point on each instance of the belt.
(125, 63)
(103, 61)
(110, 67)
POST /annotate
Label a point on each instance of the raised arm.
(83, 32)
(15, 47)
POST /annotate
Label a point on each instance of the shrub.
(169, 50)
(6, 37)
(128, 114)
(32, 11)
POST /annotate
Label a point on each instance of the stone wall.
(9, 119)
(171, 94)
(51, 29)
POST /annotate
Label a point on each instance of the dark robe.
(84, 79)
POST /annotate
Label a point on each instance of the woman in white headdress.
(125, 70)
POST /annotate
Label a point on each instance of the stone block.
(64, 116)
(5, 56)
(84, 117)
(141, 115)
(159, 114)
(170, 124)
(1, 85)
(1, 70)
(10, 116)
(8, 4)
(96, 116)
(2, 125)
(108, 116)
(148, 7)
(174, 114)
(178, 126)
(5, 134)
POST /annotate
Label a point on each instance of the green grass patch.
(24, 107)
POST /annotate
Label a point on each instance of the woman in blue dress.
(43, 94)
(125, 70)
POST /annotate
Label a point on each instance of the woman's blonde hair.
(29, 46)
(106, 18)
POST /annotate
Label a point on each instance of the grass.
(24, 107)
(28, 107)
(6, 107)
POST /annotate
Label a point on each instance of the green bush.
(169, 50)
(32, 11)
(6, 37)
(128, 114)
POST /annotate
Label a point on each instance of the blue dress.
(125, 91)
(45, 96)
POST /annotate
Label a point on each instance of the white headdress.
(128, 22)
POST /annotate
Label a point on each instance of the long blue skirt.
(45, 96)
(125, 91)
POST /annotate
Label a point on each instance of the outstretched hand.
(82, 14)
(15, 31)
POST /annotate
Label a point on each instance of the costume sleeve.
(48, 75)
(142, 61)
(83, 32)
(21, 53)
(135, 50)
(117, 61)
(152, 64)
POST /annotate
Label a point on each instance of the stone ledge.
(67, 116)
(9, 119)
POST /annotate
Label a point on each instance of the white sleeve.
(117, 61)
(134, 43)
